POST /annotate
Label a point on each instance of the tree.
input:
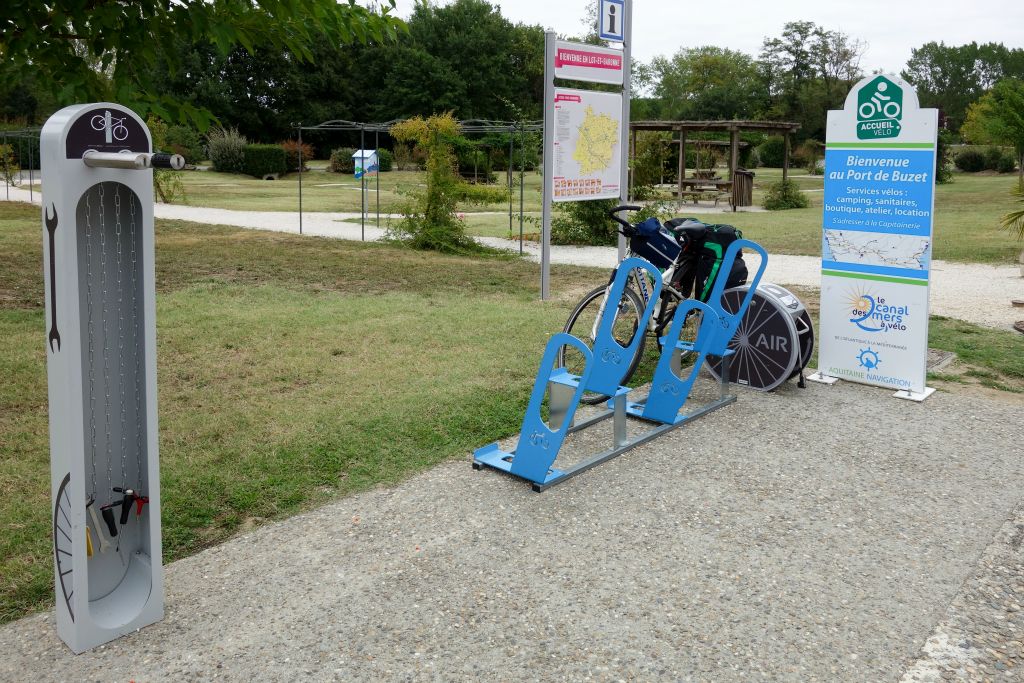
(430, 221)
(467, 58)
(92, 50)
(806, 72)
(951, 78)
(706, 83)
(998, 118)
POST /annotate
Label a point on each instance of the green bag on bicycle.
(699, 263)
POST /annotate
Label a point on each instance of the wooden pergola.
(734, 128)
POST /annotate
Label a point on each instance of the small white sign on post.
(877, 237)
(612, 20)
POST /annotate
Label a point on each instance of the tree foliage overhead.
(706, 83)
(951, 77)
(85, 50)
(998, 118)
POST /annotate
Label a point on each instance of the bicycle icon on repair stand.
(115, 128)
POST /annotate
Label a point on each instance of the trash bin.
(742, 188)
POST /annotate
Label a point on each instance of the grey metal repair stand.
(98, 260)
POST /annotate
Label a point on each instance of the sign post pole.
(626, 27)
(549, 137)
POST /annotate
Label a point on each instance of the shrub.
(1006, 164)
(10, 172)
(993, 155)
(811, 156)
(291, 152)
(226, 148)
(386, 160)
(186, 141)
(263, 160)
(748, 157)
(342, 161)
(772, 152)
(429, 220)
(970, 161)
(584, 223)
(784, 194)
(404, 158)
(943, 157)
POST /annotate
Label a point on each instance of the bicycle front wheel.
(582, 324)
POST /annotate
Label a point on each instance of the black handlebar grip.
(172, 161)
(108, 517)
(126, 507)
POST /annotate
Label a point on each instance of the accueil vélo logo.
(879, 109)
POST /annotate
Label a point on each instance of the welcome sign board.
(877, 236)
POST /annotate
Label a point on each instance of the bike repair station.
(98, 257)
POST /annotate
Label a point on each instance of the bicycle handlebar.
(627, 226)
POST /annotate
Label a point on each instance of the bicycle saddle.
(688, 229)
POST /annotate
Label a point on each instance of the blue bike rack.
(605, 366)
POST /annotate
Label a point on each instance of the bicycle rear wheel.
(582, 324)
(773, 341)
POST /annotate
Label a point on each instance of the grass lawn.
(324, 191)
(290, 372)
(294, 370)
(967, 213)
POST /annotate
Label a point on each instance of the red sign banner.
(587, 59)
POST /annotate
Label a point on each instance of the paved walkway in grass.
(977, 293)
(827, 534)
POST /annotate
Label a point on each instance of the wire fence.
(19, 149)
(514, 129)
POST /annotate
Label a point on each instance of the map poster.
(586, 159)
(877, 236)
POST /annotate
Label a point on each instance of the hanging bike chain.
(130, 496)
(107, 509)
(91, 345)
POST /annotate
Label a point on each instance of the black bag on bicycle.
(703, 249)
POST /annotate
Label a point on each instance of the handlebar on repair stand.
(627, 227)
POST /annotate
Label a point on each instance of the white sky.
(891, 28)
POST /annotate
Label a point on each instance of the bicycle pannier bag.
(654, 243)
(709, 263)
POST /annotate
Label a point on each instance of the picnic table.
(702, 188)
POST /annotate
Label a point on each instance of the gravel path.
(977, 293)
(815, 535)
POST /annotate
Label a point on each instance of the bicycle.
(772, 344)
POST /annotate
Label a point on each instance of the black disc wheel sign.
(766, 346)
(63, 543)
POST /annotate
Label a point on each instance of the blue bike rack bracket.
(540, 442)
(669, 391)
(611, 359)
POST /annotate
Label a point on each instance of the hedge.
(263, 160)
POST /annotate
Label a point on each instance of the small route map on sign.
(877, 249)
(586, 158)
(597, 137)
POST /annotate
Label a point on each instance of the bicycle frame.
(643, 287)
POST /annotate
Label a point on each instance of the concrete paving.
(805, 535)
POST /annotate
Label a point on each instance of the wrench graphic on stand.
(51, 228)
